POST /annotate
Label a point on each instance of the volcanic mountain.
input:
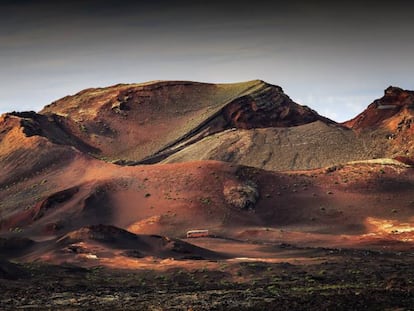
(146, 122)
(383, 130)
(242, 160)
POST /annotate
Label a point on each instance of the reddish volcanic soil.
(356, 205)
(115, 177)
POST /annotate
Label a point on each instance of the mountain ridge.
(233, 158)
(93, 119)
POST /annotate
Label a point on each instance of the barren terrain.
(98, 190)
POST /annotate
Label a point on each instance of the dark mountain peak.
(393, 90)
(398, 95)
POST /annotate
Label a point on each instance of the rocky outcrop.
(394, 102)
(241, 195)
(393, 116)
(268, 107)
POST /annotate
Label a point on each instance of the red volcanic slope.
(147, 121)
(56, 178)
(393, 115)
(395, 101)
(171, 199)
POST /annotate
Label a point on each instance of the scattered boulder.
(242, 196)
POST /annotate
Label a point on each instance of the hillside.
(99, 189)
(396, 103)
(242, 160)
(251, 123)
(308, 146)
(145, 122)
(383, 130)
(393, 114)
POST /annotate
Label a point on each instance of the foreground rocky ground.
(334, 279)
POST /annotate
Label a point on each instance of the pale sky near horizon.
(336, 57)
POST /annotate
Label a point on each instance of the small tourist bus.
(197, 233)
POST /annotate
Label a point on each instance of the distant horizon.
(334, 57)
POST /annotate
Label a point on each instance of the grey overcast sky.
(334, 56)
